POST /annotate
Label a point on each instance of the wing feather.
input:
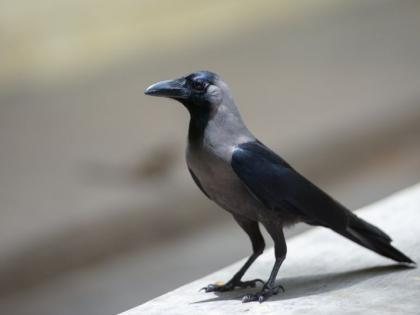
(278, 186)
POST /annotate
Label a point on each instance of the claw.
(210, 288)
(281, 287)
(247, 298)
(263, 295)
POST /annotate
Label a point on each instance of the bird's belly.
(223, 186)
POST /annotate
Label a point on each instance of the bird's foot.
(231, 285)
(263, 295)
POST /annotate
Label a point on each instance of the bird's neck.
(199, 118)
(217, 126)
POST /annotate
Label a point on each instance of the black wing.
(278, 186)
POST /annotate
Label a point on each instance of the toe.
(248, 298)
(263, 295)
(209, 288)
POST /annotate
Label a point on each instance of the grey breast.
(210, 162)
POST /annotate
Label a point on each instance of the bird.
(253, 183)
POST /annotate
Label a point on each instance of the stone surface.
(323, 273)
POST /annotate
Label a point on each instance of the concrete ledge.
(323, 273)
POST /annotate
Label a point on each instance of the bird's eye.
(198, 85)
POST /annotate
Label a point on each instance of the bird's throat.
(200, 116)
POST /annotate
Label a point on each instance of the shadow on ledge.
(296, 287)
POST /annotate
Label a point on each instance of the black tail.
(371, 237)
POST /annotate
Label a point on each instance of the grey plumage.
(255, 185)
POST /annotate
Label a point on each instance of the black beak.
(169, 88)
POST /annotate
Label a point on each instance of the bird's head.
(201, 89)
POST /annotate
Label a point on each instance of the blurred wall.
(91, 169)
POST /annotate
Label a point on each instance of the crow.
(246, 178)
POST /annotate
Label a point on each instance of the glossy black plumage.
(280, 188)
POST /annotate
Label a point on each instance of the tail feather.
(371, 237)
(361, 225)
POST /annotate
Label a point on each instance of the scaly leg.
(258, 245)
(280, 251)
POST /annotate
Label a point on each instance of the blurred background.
(97, 209)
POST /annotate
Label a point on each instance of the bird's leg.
(253, 231)
(280, 250)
